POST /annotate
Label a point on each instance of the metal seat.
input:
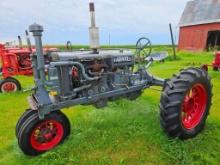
(157, 56)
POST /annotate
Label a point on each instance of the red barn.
(200, 26)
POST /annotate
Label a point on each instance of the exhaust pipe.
(93, 30)
(37, 33)
(28, 41)
(20, 42)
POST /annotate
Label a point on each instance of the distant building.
(200, 25)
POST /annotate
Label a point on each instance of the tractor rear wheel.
(9, 85)
(185, 103)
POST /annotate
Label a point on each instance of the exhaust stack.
(93, 30)
(28, 41)
(20, 42)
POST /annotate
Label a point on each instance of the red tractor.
(215, 64)
(14, 62)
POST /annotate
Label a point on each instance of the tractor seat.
(157, 56)
(27, 68)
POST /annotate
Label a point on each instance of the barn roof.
(200, 12)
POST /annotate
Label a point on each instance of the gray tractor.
(97, 76)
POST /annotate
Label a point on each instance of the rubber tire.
(29, 124)
(10, 79)
(23, 118)
(172, 97)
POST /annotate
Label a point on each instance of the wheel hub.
(194, 106)
(189, 105)
(46, 135)
(9, 87)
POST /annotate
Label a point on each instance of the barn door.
(213, 40)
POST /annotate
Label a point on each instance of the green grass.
(125, 132)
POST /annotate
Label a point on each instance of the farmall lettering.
(122, 59)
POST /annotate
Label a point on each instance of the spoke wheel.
(143, 49)
(185, 103)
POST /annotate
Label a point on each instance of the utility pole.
(172, 39)
(109, 39)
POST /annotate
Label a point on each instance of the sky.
(123, 20)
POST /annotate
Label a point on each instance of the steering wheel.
(69, 45)
(143, 48)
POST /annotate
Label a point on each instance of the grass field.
(125, 132)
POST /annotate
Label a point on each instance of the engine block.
(108, 70)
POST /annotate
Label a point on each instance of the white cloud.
(60, 18)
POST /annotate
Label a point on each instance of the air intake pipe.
(37, 33)
(20, 42)
(28, 41)
(93, 30)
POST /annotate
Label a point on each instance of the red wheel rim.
(47, 135)
(9, 87)
(194, 106)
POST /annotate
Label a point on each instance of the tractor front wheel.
(37, 136)
(185, 103)
(9, 85)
